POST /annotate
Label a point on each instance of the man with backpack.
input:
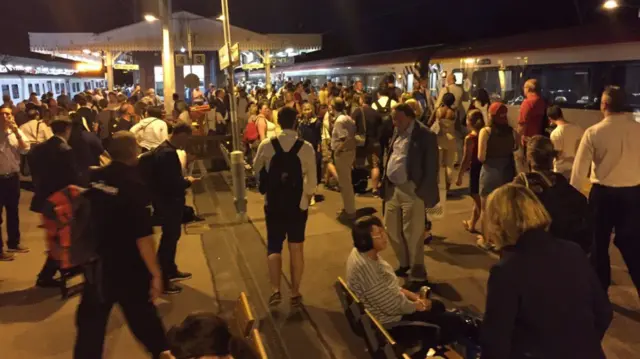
(151, 131)
(384, 105)
(287, 168)
(128, 273)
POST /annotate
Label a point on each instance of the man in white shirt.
(566, 139)
(12, 145)
(35, 129)
(285, 215)
(612, 149)
(153, 130)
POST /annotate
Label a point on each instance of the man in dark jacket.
(53, 168)
(168, 186)
(410, 185)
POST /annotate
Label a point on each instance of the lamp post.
(237, 156)
(162, 10)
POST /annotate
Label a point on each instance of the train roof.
(587, 35)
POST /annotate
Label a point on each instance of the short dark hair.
(476, 119)
(182, 127)
(60, 124)
(554, 112)
(155, 111)
(287, 118)
(104, 103)
(80, 100)
(448, 99)
(122, 146)
(540, 153)
(406, 109)
(339, 104)
(200, 334)
(361, 232)
(6, 106)
(617, 98)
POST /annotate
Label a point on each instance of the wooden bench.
(245, 321)
(378, 338)
(243, 318)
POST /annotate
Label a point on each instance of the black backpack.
(283, 183)
(146, 166)
(386, 129)
(568, 207)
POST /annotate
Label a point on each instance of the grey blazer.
(422, 163)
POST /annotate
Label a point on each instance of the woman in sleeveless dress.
(470, 162)
(496, 144)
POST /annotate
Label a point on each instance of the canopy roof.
(147, 36)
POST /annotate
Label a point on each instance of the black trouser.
(170, 213)
(452, 327)
(140, 313)
(9, 200)
(616, 208)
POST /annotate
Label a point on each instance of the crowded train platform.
(460, 200)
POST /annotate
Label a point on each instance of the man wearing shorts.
(287, 167)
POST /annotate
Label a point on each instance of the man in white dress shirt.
(286, 216)
(611, 149)
(151, 131)
(12, 145)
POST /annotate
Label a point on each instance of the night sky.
(351, 26)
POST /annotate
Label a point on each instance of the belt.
(8, 175)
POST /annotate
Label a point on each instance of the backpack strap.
(388, 106)
(296, 147)
(276, 145)
(378, 106)
(523, 177)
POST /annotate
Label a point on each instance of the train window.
(49, 86)
(499, 83)
(57, 87)
(5, 90)
(15, 92)
(632, 85)
(38, 89)
(30, 86)
(567, 86)
(62, 87)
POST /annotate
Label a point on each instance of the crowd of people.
(131, 157)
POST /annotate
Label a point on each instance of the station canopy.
(207, 35)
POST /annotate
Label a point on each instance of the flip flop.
(467, 227)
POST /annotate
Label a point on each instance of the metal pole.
(267, 69)
(237, 156)
(109, 63)
(168, 64)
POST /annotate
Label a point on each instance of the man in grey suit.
(410, 186)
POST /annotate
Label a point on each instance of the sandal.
(275, 299)
(467, 227)
(296, 302)
(482, 243)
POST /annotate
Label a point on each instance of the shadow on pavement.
(43, 303)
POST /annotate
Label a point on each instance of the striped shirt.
(376, 285)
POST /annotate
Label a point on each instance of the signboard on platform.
(199, 59)
(247, 67)
(126, 67)
(279, 61)
(181, 60)
(223, 56)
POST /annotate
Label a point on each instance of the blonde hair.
(415, 106)
(511, 211)
(253, 109)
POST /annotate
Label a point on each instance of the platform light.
(290, 50)
(96, 54)
(183, 50)
(86, 51)
(150, 18)
(611, 5)
(220, 18)
(469, 61)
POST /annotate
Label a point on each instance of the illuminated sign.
(127, 67)
(36, 70)
(247, 67)
(85, 67)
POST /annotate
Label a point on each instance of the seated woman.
(206, 336)
(568, 207)
(543, 298)
(374, 282)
